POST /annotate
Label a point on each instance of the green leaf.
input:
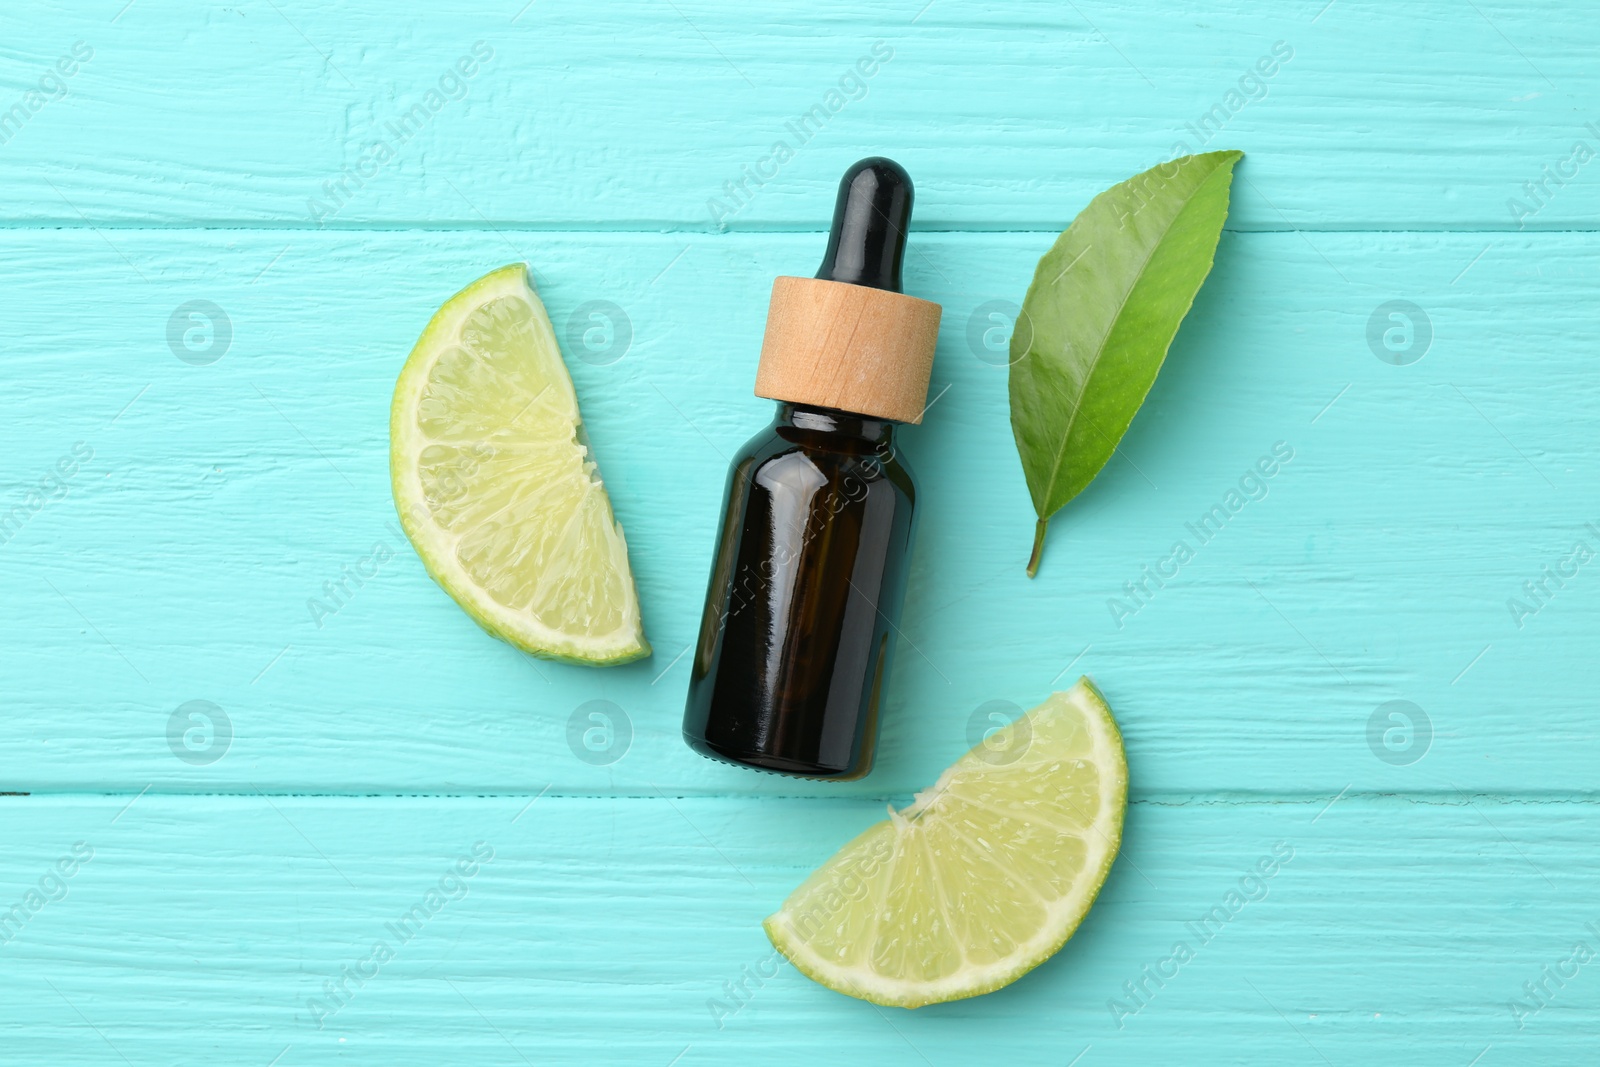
(1099, 316)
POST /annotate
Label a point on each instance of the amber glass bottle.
(810, 568)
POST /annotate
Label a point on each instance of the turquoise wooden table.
(244, 737)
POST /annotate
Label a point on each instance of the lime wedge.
(982, 878)
(495, 484)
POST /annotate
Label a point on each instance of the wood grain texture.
(181, 563)
(835, 345)
(1427, 115)
(604, 931)
(170, 520)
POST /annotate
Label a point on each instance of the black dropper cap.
(870, 220)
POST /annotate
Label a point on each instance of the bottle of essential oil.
(810, 571)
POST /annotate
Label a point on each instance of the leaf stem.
(1038, 547)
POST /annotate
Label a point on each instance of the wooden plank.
(166, 520)
(220, 499)
(1427, 115)
(604, 931)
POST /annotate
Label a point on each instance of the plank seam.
(1445, 798)
(666, 229)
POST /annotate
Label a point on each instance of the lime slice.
(982, 878)
(495, 484)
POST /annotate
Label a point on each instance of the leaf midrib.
(1077, 401)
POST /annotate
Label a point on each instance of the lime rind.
(437, 546)
(857, 976)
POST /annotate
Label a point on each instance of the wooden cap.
(848, 347)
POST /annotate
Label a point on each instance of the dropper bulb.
(870, 220)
